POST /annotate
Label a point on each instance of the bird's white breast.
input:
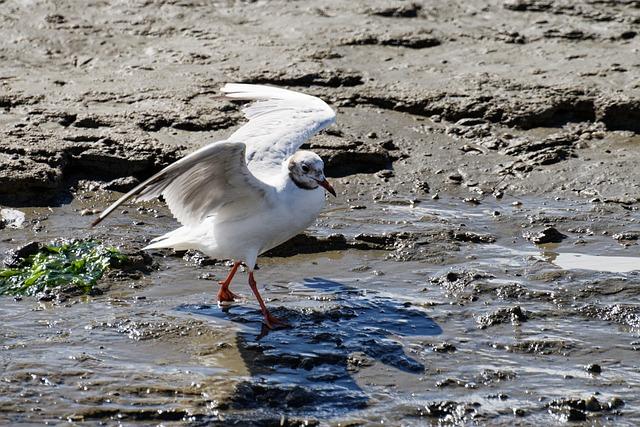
(298, 209)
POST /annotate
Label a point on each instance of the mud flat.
(480, 264)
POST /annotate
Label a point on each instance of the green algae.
(80, 263)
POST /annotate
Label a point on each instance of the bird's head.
(306, 170)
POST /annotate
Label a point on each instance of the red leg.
(269, 320)
(224, 294)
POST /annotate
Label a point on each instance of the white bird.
(240, 197)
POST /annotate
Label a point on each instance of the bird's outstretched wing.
(214, 180)
(279, 123)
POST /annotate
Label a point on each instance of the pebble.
(594, 368)
(455, 177)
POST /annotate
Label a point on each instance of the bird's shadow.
(337, 330)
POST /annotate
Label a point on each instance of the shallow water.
(460, 333)
(612, 264)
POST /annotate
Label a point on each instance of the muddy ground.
(479, 265)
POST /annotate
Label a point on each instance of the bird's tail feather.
(177, 239)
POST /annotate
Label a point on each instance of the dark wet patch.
(410, 10)
(409, 40)
(290, 77)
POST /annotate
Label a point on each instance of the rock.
(469, 236)
(388, 144)
(422, 186)
(565, 414)
(592, 404)
(11, 218)
(410, 10)
(385, 173)
(15, 256)
(628, 235)
(548, 235)
(471, 200)
(514, 315)
(539, 347)
(293, 76)
(593, 368)
(358, 360)
(471, 121)
(451, 411)
(624, 314)
(443, 347)
(628, 35)
(121, 185)
(409, 40)
(455, 177)
(615, 403)
(527, 5)
(90, 122)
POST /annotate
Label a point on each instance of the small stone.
(388, 145)
(385, 173)
(615, 403)
(594, 368)
(372, 135)
(518, 412)
(548, 235)
(14, 257)
(121, 184)
(87, 212)
(455, 177)
(357, 207)
(11, 218)
(592, 404)
(444, 347)
(471, 200)
(516, 203)
(422, 186)
(628, 235)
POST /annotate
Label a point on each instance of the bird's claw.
(273, 322)
(225, 295)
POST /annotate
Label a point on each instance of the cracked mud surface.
(480, 264)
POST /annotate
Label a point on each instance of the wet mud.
(480, 265)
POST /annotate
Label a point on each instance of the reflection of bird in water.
(240, 197)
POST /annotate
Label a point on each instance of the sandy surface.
(464, 130)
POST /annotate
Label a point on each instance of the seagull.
(242, 196)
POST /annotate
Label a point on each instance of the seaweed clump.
(76, 263)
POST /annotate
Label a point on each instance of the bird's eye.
(305, 168)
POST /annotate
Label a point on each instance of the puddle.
(372, 340)
(612, 264)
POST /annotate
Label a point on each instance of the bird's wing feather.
(280, 121)
(212, 180)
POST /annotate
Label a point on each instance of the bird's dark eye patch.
(305, 168)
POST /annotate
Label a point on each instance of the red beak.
(327, 187)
